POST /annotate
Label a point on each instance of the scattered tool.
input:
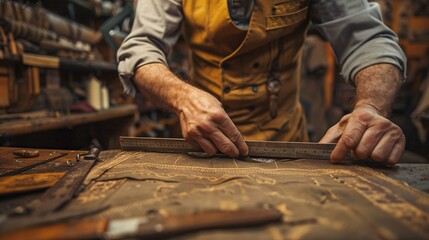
(28, 182)
(25, 168)
(149, 228)
(91, 155)
(66, 188)
(262, 149)
(25, 153)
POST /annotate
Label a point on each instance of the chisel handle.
(84, 229)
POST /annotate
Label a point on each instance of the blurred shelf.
(21, 127)
(45, 61)
(68, 64)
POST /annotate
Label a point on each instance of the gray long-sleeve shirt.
(354, 29)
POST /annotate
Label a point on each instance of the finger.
(231, 132)
(194, 137)
(382, 150)
(206, 145)
(350, 138)
(183, 126)
(224, 144)
(194, 143)
(332, 135)
(397, 151)
(368, 143)
(209, 136)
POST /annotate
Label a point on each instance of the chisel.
(148, 228)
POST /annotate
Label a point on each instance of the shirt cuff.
(360, 39)
(369, 54)
(132, 57)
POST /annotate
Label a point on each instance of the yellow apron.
(255, 73)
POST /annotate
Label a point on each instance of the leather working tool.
(149, 228)
(261, 149)
(28, 182)
(23, 169)
(65, 189)
(26, 153)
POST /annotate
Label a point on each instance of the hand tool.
(28, 182)
(149, 228)
(45, 208)
(66, 188)
(23, 169)
(261, 149)
(25, 153)
(175, 225)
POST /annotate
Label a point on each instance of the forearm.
(156, 82)
(377, 86)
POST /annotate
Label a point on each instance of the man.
(245, 61)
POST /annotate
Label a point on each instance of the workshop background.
(59, 85)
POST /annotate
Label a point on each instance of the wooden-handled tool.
(26, 153)
(147, 228)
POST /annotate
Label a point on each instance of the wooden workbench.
(311, 194)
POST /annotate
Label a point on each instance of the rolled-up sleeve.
(357, 35)
(156, 29)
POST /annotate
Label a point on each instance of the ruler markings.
(272, 149)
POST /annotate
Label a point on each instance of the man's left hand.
(367, 134)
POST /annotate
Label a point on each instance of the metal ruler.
(25, 168)
(66, 188)
(262, 149)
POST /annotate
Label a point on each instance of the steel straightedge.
(25, 168)
(67, 187)
(63, 191)
(263, 149)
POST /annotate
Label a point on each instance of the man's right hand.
(203, 120)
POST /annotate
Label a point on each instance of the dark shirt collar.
(240, 12)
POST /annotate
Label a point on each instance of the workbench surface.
(316, 198)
